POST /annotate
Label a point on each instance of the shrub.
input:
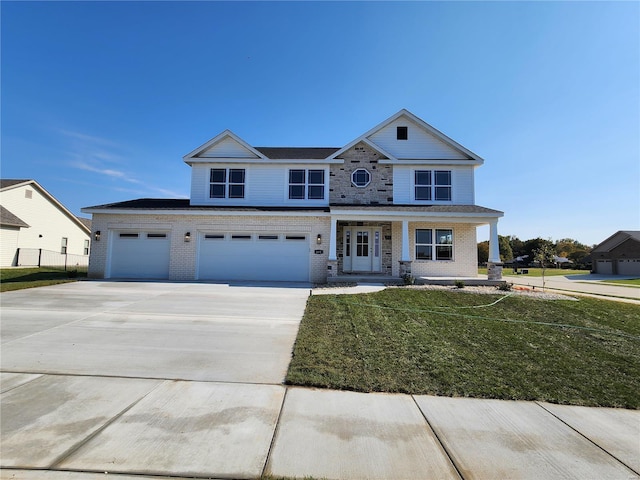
(505, 286)
(72, 273)
(459, 284)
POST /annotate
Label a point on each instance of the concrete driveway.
(158, 380)
(177, 331)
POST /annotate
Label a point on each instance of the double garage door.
(219, 256)
(253, 256)
(623, 267)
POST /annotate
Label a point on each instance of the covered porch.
(398, 243)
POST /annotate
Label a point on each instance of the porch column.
(494, 247)
(405, 242)
(494, 267)
(332, 261)
(332, 239)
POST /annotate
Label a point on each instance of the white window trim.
(306, 184)
(432, 186)
(354, 183)
(227, 184)
(433, 245)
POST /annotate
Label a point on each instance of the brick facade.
(183, 255)
(378, 192)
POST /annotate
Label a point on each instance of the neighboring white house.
(398, 200)
(36, 226)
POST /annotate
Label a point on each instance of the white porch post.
(405, 242)
(332, 239)
(494, 247)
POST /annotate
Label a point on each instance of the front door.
(362, 249)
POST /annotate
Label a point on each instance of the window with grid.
(432, 185)
(434, 244)
(226, 183)
(63, 248)
(306, 184)
(86, 247)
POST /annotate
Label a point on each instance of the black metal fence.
(38, 257)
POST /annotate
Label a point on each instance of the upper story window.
(402, 133)
(361, 177)
(432, 185)
(226, 183)
(306, 184)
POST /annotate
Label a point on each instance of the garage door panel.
(140, 255)
(629, 266)
(259, 257)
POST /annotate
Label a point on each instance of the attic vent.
(28, 193)
(402, 133)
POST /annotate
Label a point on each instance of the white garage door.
(254, 256)
(630, 266)
(140, 255)
(604, 267)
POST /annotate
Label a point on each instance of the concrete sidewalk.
(587, 284)
(155, 380)
(73, 427)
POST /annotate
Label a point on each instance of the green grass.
(20, 278)
(537, 272)
(427, 342)
(632, 282)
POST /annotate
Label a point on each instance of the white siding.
(420, 144)
(48, 224)
(462, 184)
(265, 185)
(227, 148)
(8, 245)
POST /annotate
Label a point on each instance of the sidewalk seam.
(449, 454)
(74, 448)
(275, 433)
(585, 437)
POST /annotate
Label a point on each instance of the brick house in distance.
(397, 200)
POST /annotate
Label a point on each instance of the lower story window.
(434, 244)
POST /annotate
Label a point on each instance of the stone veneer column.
(494, 266)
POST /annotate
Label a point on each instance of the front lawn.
(632, 282)
(450, 343)
(19, 278)
(537, 272)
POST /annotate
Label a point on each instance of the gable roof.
(8, 184)
(472, 157)
(198, 155)
(8, 219)
(616, 239)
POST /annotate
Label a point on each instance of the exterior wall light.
(319, 239)
(187, 237)
(96, 236)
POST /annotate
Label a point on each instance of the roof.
(6, 184)
(9, 219)
(297, 153)
(616, 239)
(85, 221)
(421, 208)
(183, 204)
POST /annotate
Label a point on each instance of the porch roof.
(417, 210)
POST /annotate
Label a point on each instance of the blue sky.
(100, 100)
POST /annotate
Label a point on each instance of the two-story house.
(397, 200)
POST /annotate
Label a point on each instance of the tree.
(483, 252)
(544, 255)
(506, 253)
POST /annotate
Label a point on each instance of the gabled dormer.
(407, 161)
(224, 147)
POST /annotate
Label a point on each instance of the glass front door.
(362, 249)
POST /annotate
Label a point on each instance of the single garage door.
(140, 255)
(604, 267)
(254, 256)
(629, 266)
